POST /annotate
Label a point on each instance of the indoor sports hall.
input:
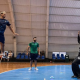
(39, 39)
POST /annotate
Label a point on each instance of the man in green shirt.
(34, 51)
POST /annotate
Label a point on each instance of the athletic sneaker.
(73, 76)
(36, 69)
(30, 69)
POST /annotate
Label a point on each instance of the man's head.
(34, 39)
(10, 51)
(3, 14)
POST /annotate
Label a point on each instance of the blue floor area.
(60, 72)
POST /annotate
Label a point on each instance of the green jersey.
(33, 47)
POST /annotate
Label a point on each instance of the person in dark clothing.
(79, 37)
(76, 62)
(3, 24)
(34, 51)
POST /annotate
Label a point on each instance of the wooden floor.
(6, 66)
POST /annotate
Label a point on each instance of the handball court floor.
(47, 71)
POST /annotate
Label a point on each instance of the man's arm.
(38, 50)
(12, 30)
(28, 49)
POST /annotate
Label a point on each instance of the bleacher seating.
(62, 56)
(42, 57)
(18, 57)
(58, 56)
(53, 56)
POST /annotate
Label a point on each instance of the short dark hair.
(10, 50)
(34, 37)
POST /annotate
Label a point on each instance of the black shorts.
(2, 39)
(33, 56)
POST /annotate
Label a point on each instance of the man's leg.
(8, 59)
(35, 60)
(31, 61)
(4, 59)
(1, 58)
(2, 47)
(35, 63)
(74, 70)
(75, 67)
(31, 64)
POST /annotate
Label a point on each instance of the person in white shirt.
(10, 54)
(5, 56)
